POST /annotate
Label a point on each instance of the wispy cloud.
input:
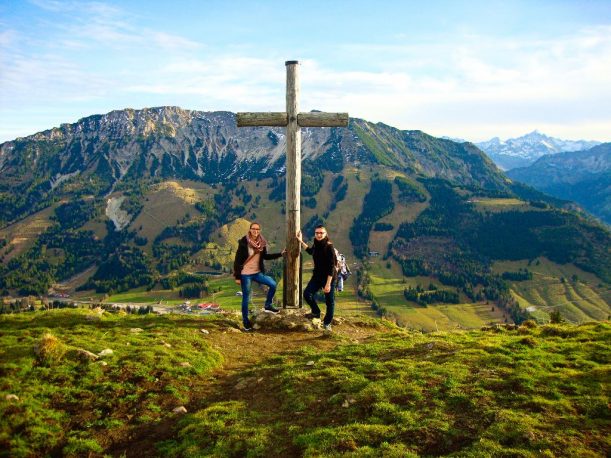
(470, 86)
(478, 82)
(7, 38)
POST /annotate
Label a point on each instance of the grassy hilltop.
(368, 389)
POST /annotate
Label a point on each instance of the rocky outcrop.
(208, 146)
(287, 320)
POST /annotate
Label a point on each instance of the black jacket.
(323, 255)
(242, 255)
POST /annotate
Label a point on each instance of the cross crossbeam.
(281, 119)
(293, 120)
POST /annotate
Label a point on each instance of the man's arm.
(330, 267)
(327, 288)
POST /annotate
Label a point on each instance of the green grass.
(579, 296)
(70, 405)
(524, 391)
(445, 316)
(387, 288)
(346, 302)
(502, 202)
(166, 203)
(341, 219)
(528, 392)
(22, 235)
(141, 296)
(500, 205)
(373, 144)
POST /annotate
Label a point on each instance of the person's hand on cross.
(299, 237)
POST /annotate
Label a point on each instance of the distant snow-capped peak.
(523, 151)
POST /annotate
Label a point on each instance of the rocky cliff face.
(209, 146)
(98, 153)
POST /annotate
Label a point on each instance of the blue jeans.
(310, 297)
(245, 283)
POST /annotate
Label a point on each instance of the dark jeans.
(310, 297)
(262, 280)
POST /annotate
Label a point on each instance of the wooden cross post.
(293, 120)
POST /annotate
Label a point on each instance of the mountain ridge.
(526, 149)
(165, 122)
(581, 176)
(430, 208)
(208, 146)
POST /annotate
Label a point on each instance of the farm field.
(579, 296)
(346, 302)
(22, 234)
(387, 289)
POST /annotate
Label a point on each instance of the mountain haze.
(580, 176)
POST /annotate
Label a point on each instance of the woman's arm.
(303, 244)
(267, 256)
(238, 263)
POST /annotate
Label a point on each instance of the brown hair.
(321, 226)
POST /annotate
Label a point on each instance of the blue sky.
(472, 70)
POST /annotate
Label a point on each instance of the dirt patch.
(240, 351)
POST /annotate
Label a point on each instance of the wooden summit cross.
(293, 120)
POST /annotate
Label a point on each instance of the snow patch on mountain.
(525, 150)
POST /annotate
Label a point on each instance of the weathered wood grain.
(322, 119)
(270, 119)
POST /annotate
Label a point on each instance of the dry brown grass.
(49, 349)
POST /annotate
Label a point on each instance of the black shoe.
(311, 316)
(245, 329)
(271, 309)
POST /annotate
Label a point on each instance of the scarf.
(258, 245)
(321, 243)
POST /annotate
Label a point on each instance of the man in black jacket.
(323, 277)
(248, 267)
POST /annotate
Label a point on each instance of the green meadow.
(61, 395)
(387, 287)
(531, 392)
(369, 389)
(578, 295)
(224, 293)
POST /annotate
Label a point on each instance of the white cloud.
(482, 85)
(171, 42)
(472, 86)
